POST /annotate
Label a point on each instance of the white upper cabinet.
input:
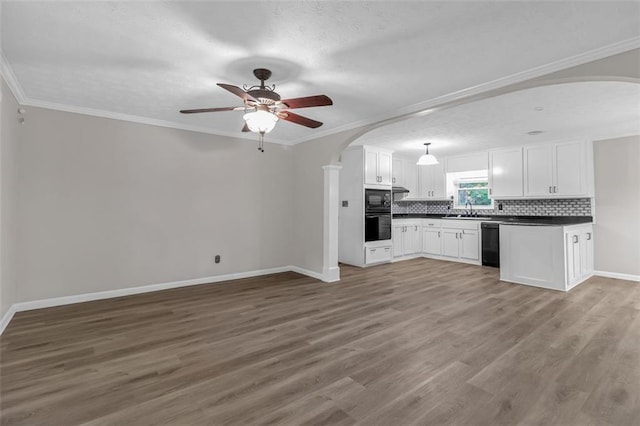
(506, 173)
(556, 170)
(405, 174)
(569, 172)
(397, 174)
(411, 178)
(377, 167)
(538, 171)
(432, 182)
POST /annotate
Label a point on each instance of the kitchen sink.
(468, 217)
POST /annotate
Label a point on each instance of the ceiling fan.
(263, 106)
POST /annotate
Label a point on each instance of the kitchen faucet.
(470, 207)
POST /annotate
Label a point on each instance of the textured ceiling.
(589, 111)
(374, 59)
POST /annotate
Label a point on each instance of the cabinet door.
(470, 245)
(384, 168)
(569, 169)
(538, 162)
(450, 242)
(412, 239)
(398, 172)
(505, 173)
(424, 182)
(574, 263)
(371, 167)
(411, 178)
(586, 252)
(398, 240)
(438, 185)
(431, 241)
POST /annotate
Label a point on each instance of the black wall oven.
(377, 227)
(377, 215)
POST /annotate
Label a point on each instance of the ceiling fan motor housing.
(265, 96)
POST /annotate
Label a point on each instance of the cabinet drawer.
(377, 254)
(471, 225)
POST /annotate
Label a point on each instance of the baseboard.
(617, 275)
(307, 272)
(109, 294)
(4, 322)
(331, 275)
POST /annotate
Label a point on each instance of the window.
(470, 187)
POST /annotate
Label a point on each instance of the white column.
(330, 269)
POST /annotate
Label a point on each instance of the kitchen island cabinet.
(553, 257)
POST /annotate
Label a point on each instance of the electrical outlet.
(217, 258)
(345, 203)
(499, 206)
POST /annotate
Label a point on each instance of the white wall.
(106, 204)
(309, 157)
(617, 204)
(8, 144)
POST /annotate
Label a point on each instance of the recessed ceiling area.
(570, 111)
(145, 61)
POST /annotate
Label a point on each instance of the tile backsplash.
(559, 207)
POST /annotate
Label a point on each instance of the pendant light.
(427, 159)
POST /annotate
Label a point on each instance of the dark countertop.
(509, 220)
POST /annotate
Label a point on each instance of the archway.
(331, 189)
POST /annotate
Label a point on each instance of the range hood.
(399, 190)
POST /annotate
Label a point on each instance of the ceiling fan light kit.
(427, 159)
(265, 107)
(260, 121)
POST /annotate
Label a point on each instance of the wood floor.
(421, 342)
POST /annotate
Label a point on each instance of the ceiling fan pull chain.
(261, 143)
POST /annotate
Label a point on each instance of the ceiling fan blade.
(238, 92)
(193, 111)
(298, 119)
(245, 128)
(309, 101)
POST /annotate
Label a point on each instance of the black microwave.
(377, 201)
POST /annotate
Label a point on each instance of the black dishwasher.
(490, 244)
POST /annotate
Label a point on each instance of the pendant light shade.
(427, 159)
(260, 121)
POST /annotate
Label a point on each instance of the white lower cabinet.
(406, 237)
(461, 240)
(377, 254)
(450, 244)
(579, 254)
(457, 240)
(431, 238)
(554, 257)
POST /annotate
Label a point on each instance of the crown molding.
(421, 107)
(144, 120)
(10, 78)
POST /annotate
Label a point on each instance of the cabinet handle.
(588, 236)
(393, 180)
(462, 233)
(372, 250)
(387, 249)
(575, 239)
(490, 191)
(555, 189)
(550, 191)
(416, 227)
(438, 234)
